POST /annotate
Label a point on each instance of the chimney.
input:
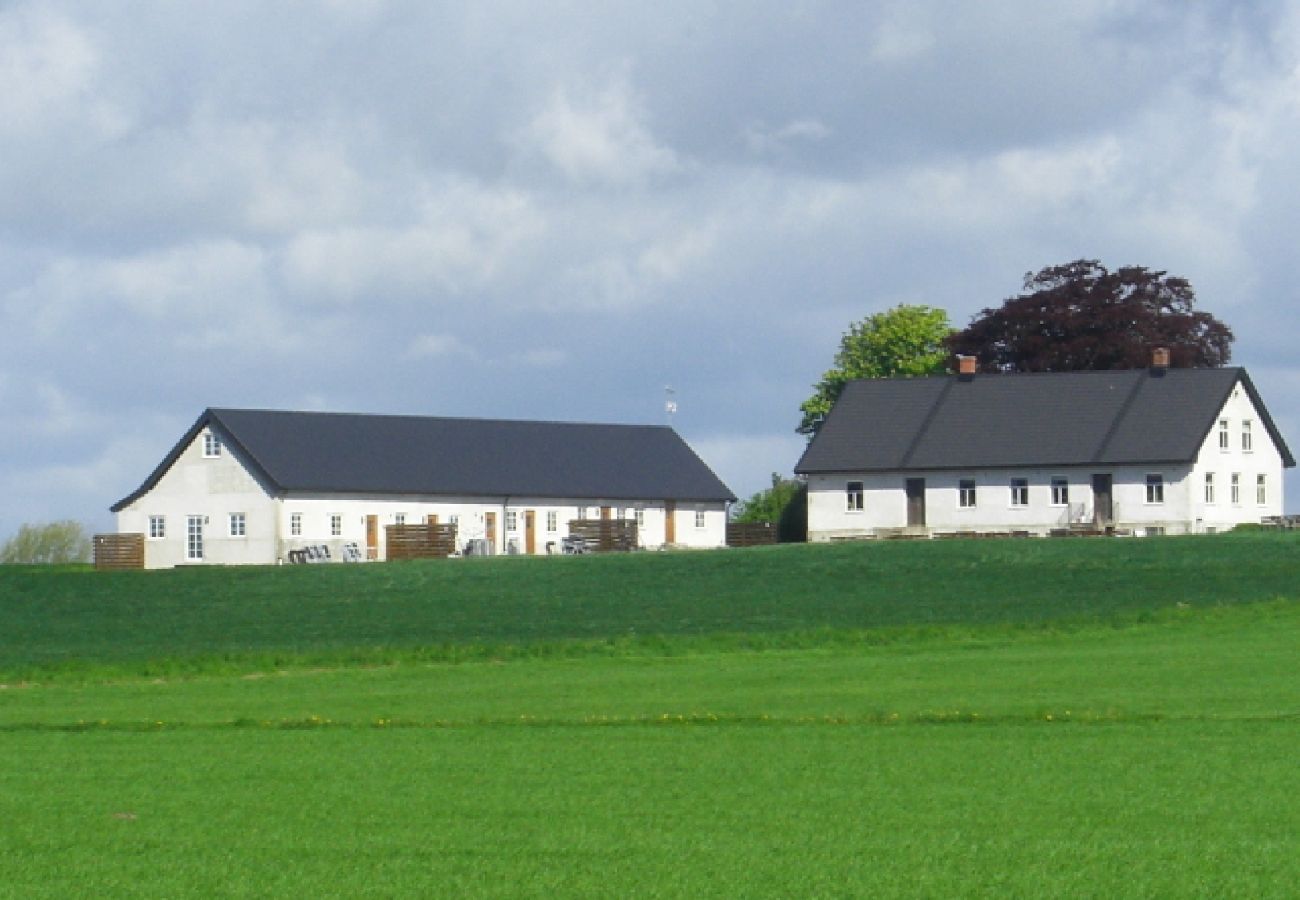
(1159, 360)
(965, 367)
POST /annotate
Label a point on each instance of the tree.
(1081, 315)
(56, 542)
(785, 504)
(905, 340)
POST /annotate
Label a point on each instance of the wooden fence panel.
(426, 540)
(750, 534)
(119, 551)
(604, 535)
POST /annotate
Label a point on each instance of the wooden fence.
(750, 534)
(420, 541)
(603, 535)
(119, 551)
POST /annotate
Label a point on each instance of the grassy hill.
(54, 621)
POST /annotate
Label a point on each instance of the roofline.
(1288, 461)
(1086, 464)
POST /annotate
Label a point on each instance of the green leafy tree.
(55, 542)
(1081, 315)
(768, 504)
(906, 340)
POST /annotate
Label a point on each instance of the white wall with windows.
(1239, 469)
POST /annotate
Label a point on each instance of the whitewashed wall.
(1263, 459)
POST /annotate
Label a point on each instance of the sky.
(556, 211)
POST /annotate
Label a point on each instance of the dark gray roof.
(1044, 419)
(371, 454)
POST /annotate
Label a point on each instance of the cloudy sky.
(522, 210)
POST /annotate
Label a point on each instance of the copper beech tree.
(1081, 315)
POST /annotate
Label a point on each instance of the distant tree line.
(53, 543)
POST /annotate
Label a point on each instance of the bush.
(55, 542)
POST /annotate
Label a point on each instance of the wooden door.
(530, 532)
(916, 502)
(1103, 504)
(432, 519)
(607, 512)
(490, 531)
(670, 522)
(372, 537)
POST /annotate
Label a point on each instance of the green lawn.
(964, 719)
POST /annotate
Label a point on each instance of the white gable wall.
(1262, 459)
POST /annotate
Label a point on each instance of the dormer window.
(211, 445)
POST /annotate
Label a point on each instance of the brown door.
(372, 537)
(1103, 505)
(670, 522)
(490, 531)
(607, 512)
(530, 532)
(916, 502)
(433, 519)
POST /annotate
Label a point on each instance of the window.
(640, 516)
(1247, 440)
(399, 518)
(211, 444)
(336, 525)
(1209, 487)
(1261, 489)
(512, 520)
(1235, 488)
(1224, 442)
(1019, 491)
(453, 520)
(157, 527)
(238, 525)
(966, 493)
(194, 538)
(853, 496)
(1060, 491)
(595, 513)
(295, 524)
(699, 518)
(1155, 489)
(552, 520)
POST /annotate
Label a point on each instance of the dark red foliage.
(1082, 316)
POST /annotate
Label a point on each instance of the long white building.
(249, 486)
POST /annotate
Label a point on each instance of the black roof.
(1131, 416)
(375, 454)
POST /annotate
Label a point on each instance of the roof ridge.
(929, 418)
(1122, 414)
(423, 417)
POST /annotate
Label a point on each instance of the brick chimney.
(965, 367)
(1159, 360)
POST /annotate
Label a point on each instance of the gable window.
(1247, 439)
(966, 493)
(1224, 442)
(853, 496)
(211, 444)
(699, 518)
(1209, 487)
(1234, 488)
(157, 527)
(552, 520)
(1155, 488)
(295, 524)
(1060, 490)
(336, 525)
(1261, 489)
(238, 525)
(1019, 491)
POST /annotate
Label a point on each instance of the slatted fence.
(425, 540)
(604, 535)
(750, 534)
(119, 551)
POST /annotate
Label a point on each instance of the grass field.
(877, 733)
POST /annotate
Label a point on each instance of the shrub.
(55, 542)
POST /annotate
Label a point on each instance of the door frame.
(914, 490)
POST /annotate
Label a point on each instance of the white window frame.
(552, 520)
(854, 496)
(639, 515)
(211, 445)
(295, 524)
(194, 538)
(699, 518)
(1225, 440)
(1060, 490)
(238, 524)
(1155, 493)
(1261, 490)
(966, 497)
(1209, 488)
(1247, 436)
(157, 528)
(399, 518)
(1235, 488)
(512, 520)
(1019, 488)
(336, 525)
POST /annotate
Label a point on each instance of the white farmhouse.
(1146, 451)
(249, 486)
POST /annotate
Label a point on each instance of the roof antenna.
(670, 403)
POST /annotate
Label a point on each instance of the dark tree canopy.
(1081, 315)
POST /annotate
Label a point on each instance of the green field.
(1022, 718)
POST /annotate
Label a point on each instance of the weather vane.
(670, 403)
